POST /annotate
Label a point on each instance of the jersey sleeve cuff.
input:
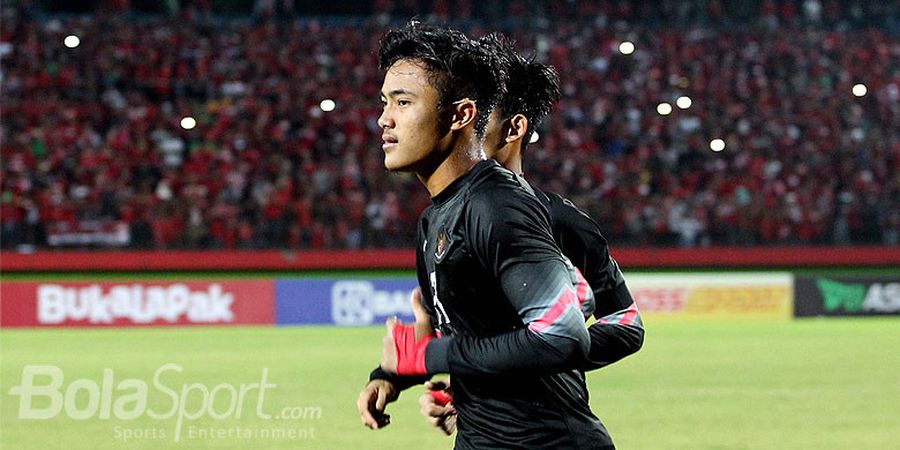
(437, 355)
(401, 383)
(381, 374)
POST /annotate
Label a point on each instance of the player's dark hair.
(457, 66)
(532, 88)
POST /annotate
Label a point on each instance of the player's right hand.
(441, 416)
(372, 401)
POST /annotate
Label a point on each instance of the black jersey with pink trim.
(618, 331)
(508, 305)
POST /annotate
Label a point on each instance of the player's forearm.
(548, 296)
(556, 340)
(614, 337)
(504, 354)
(611, 343)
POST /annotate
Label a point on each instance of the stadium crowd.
(95, 151)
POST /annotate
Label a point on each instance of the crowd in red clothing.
(94, 152)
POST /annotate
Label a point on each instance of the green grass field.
(811, 384)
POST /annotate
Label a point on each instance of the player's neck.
(515, 164)
(459, 160)
(510, 157)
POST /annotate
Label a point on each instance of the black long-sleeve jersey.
(619, 330)
(506, 303)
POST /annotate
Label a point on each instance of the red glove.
(410, 353)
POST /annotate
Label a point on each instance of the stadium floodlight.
(71, 41)
(534, 138)
(664, 109)
(188, 123)
(626, 48)
(717, 145)
(684, 102)
(327, 105)
(860, 89)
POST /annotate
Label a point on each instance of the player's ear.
(464, 113)
(516, 128)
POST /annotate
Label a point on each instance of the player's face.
(410, 119)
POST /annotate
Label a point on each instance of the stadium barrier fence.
(351, 293)
(286, 260)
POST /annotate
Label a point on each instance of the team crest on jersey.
(441, 245)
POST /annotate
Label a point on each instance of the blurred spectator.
(93, 147)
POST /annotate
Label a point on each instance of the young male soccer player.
(494, 282)
(531, 90)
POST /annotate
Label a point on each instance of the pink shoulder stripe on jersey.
(624, 317)
(566, 298)
(583, 287)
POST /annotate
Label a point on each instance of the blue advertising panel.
(342, 301)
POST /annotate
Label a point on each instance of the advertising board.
(138, 303)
